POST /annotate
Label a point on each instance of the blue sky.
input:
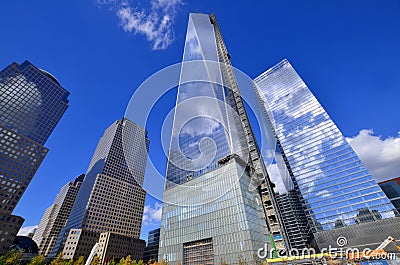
(101, 51)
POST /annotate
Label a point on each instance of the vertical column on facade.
(265, 189)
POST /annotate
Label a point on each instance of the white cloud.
(201, 127)
(166, 4)
(323, 193)
(275, 176)
(24, 231)
(155, 22)
(380, 156)
(152, 216)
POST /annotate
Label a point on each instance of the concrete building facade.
(56, 216)
(116, 246)
(79, 243)
(111, 197)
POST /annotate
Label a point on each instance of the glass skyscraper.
(31, 104)
(339, 196)
(111, 197)
(210, 213)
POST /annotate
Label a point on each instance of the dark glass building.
(32, 102)
(391, 188)
(153, 242)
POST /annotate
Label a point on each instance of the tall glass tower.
(31, 104)
(339, 196)
(210, 212)
(111, 197)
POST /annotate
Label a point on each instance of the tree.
(242, 260)
(128, 260)
(11, 258)
(222, 262)
(257, 259)
(121, 262)
(95, 261)
(164, 262)
(59, 260)
(38, 260)
(80, 261)
(140, 262)
(112, 262)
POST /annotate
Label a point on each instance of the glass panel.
(329, 175)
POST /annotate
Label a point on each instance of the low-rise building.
(153, 242)
(116, 246)
(79, 242)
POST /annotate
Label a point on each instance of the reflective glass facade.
(206, 126)
(211, 212)
(233, 221)
(31, 104)
(336, 188)
(31, 101)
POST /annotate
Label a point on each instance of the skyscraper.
(111, 197)
(339, 196)
(55, 217)
(210, 212)
(31, 104)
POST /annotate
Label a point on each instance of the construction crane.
(379, 251)
(387, 242)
